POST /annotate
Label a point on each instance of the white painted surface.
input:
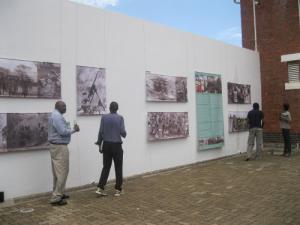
(290, 57)
(70, 34)
(292, 85)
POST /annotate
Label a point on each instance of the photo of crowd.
(238, 122)
(208, 83)
(211, 141)
(19, 78)
(91, 91)
(167, 125)
(165, 88)
(23, 131)
(239, 93)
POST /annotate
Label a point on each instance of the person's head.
(255, 106)
(113, 107)
(60, 106)
(286, 106)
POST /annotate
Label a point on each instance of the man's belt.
(54, 143)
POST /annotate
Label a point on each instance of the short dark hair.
(255, 105)
(286, 106)
(113, 107)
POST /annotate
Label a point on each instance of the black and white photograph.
(211, 141)
(167, 125)
(208, 84)
(165, 88)
(3, 132)
(28, 79)
(49, 80)
(27, 131)
(239, 93)
(237, 122)
(91, 91)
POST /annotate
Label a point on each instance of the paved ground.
(223, 192)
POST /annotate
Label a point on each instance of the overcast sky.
(216, 19)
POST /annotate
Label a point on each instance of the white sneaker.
(100, 191)
(118, 193)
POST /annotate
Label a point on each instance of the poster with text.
(23, 131)
(209, 107)
(167, 125)
(163, 88)
(28, 79)
(91, 91)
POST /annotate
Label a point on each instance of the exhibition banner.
(209, 111)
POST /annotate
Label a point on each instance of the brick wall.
(278, 33)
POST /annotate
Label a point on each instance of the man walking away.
(112, 128)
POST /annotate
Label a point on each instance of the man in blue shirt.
(59, 136)
(112, 128)
(255, 119)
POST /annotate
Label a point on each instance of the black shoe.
(64, 196)
(59, 203)
(248, 159)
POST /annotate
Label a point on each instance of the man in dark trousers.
(112, 128)
(285, 124)
(255, 121)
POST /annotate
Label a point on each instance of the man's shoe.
(59, 203)
(101, 192)
(118, 193)
(64, 196)
(248, 159)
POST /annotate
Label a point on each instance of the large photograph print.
(23, 131)
(91, 91)
(238, 122)
(3, 132)
(167, 125)
(239, 93)
(27, 79)
(165, 88)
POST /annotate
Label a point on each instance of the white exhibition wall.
(64, 32)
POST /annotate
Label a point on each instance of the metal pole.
(254, 23)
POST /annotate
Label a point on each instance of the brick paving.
(223, 192)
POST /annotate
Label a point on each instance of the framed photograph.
(91, 91)
(237, 122)
(167, 125)
(161, 88)
(23, 131)
(28, 79)
(239, 93)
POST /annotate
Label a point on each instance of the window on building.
(294, 71)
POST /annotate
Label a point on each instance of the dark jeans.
(287, 141)
(112, 151)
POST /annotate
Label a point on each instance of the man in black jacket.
(255, 121)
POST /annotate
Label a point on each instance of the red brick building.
(273, 28)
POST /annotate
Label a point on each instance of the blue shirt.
(112, 128)
(59, 131)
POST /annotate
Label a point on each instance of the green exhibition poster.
(209, 108)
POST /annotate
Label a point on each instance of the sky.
(215, 19)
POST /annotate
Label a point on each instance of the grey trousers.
(60, 169)
(255, 134)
